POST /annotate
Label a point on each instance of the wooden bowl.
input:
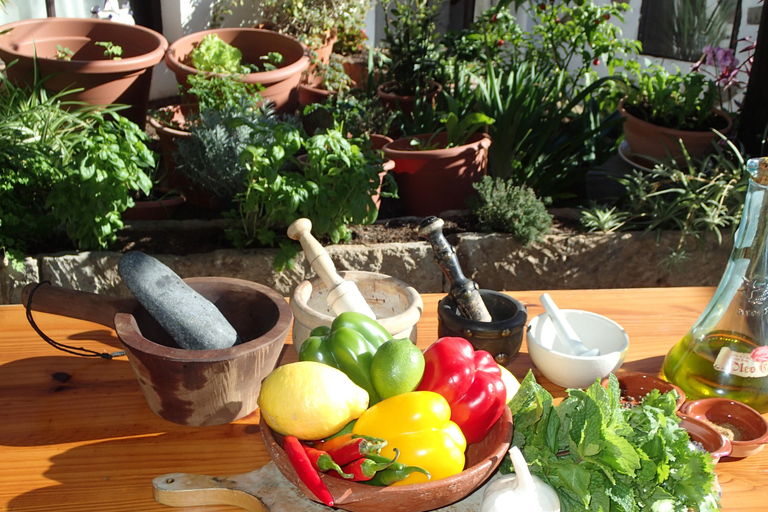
(482, 460)
(208, 387)
(749, 427)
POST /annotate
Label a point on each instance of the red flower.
(495, 17)
(500, 42)
(606, 16)
(596, 62)
(542, 6)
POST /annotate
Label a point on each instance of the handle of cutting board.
(188, 490)
(87, 306)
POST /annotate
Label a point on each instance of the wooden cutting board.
(261, 490)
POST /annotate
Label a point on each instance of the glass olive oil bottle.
(725, 354)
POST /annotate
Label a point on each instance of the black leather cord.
(78, 351)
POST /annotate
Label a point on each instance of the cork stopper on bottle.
(758, 170)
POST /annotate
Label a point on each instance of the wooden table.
(77, 435)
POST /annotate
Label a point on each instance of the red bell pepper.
(470, 380)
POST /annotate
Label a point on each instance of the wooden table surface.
(76, 434)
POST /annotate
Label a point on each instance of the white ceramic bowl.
(570, 371)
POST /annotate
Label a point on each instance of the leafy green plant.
(598, 455)
(696, 198)
(540, 139)
(313, 22)
(683, 101)
(573, 36)
(332, 186)
(216, 56)
(64, 165)
(410, 41)
(109, 160)
(506, 208)
(211, 156)
(111, 50)
(63, 53)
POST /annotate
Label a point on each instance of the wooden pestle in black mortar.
(189, 318)
(463, 290)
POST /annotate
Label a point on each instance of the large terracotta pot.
(279, 85)
(658, 143)
(104, 81)
(432, 181)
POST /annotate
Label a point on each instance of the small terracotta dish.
(635, 385)
(703, 434)
(747, 427)
(482, 460)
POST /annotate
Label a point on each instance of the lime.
(310, 400)
(396, 368)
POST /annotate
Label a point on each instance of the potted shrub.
(333, 80)
(216, 112)
(83, 54)
(410, 43)
(327, 178)
(316, 23)
(66, 169)
(435, 171)
(664, 109)
(270, 61)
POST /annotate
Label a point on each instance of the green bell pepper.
(349, 345)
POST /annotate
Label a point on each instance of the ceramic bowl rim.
(542, 317)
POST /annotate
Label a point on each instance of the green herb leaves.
(600, 456)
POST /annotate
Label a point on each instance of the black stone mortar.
(501, 337)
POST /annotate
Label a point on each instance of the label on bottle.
(740, 364)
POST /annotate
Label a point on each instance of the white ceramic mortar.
(571, 371)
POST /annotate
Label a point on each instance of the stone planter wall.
(495, 261)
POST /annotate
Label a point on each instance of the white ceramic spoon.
(570, 339)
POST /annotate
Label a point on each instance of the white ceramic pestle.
(342, 295)
(567, 335)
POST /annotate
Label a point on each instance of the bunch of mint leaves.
(600, 456)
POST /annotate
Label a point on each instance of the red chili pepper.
(365, 469)
(323, 462)
(470, 380)
(355, 448)
(304, 469)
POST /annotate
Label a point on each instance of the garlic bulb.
(520, 491)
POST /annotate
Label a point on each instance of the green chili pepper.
(395, 472)
(349, 345)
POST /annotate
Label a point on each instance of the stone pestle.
(463, 290)
(190, 319)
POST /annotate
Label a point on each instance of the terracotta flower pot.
(309, 94)
(155, 209)
(657, 142)
(435, 180)
(405, 104)
(279, 85)
(104, 81)
(323, 55)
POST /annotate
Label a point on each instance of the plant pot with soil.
(438, 177)
(270, 61)
(410, 42)
(665, 110)
(111, 62)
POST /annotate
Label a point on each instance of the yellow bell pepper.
(419, 425)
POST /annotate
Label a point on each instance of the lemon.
(396, 368)
(310, 400)
(510, 382)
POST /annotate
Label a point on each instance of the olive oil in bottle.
(725, 354)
